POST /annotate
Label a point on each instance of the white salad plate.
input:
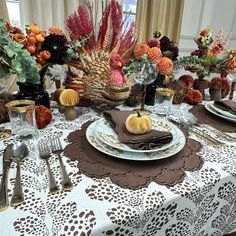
(220, 113)
(107, 135)
(134, 156)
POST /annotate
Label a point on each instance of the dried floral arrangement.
(104, 54)
(29, 55)
(212, 55)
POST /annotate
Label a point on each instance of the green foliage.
(14, 59)
(135, 65)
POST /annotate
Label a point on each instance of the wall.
(199, 14)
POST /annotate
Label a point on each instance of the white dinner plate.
(107, 135)
(222, 112)
(211, 108)
(134, 156)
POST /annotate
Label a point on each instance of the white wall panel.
(199, 14)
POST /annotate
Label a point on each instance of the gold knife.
(7, 160)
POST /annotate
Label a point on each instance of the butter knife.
(7, 160)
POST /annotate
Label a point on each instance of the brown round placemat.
(132, 174)
(204, 116)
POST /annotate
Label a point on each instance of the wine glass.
(146, 74)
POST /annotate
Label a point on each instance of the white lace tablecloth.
(204, 204)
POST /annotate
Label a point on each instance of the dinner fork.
(57, 149)
(44, 153)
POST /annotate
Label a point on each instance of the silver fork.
(44, 153)
(57, 149)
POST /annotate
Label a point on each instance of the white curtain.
(47, 13)
(3, 10)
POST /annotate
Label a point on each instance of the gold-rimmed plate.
(134, 156)
(106, 135)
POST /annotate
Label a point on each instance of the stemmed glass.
(146, 74)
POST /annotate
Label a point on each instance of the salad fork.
(44, 153)
(57, 149)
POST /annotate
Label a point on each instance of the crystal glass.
(22, 119)
(163, 101)
(146, 75)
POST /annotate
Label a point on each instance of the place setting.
(225, 109)
(130, 143)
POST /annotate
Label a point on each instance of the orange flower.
(165, 66)
(231, 64)
(55, 30)
(140, 50)
(215, 50)
(19, 38)
(154, 54)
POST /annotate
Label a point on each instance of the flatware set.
(16, 153)
(44, 153)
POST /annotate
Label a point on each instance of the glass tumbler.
(22, 119)
(163, 101)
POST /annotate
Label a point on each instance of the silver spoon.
(20, 151)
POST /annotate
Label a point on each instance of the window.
(129, 9)
(13, 8)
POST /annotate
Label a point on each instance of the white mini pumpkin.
(138, 123)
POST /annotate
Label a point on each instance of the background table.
(203, 204)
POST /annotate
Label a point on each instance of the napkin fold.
(147, 141)
(226, 105)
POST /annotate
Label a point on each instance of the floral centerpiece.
(212, 56)
(160, 52)
(29, 55)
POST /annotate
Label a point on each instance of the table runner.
(132, 174)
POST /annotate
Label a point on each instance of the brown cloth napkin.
(148, 141)
(226, 105)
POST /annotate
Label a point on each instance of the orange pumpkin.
(43, 116)
(193, 97)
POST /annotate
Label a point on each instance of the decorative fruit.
(140, 50)
(165, 66)
(193, 97)
(45, 54)
(31, 49)
(31, 38)
(34, 29)
(186, 81)
(138, 124)
(40, 38)
(43, 116)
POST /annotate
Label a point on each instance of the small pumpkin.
(193, 97)
(138, 123)
(43, 116)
